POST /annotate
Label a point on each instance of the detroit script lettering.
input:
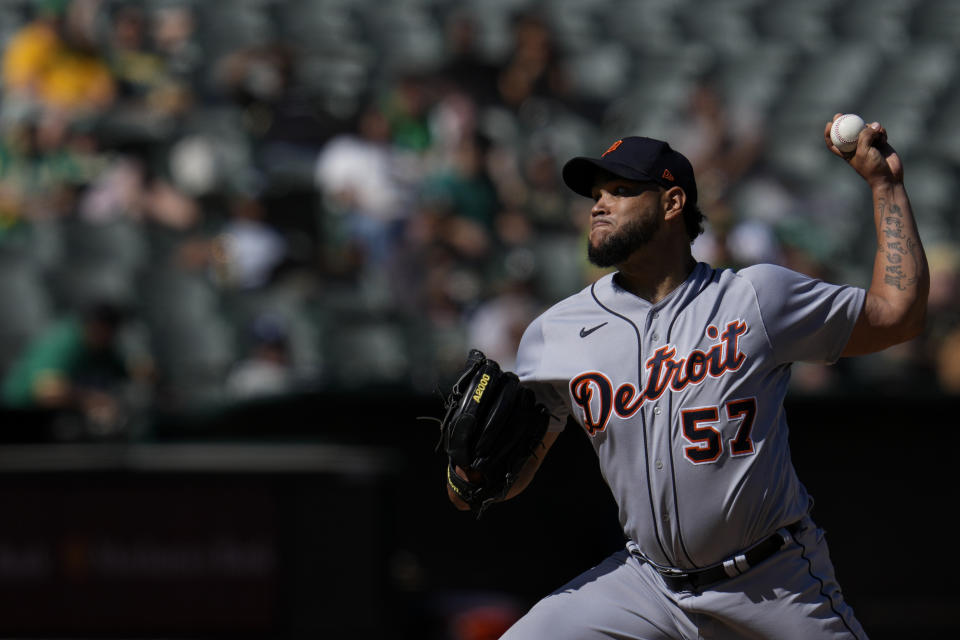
(664, 371)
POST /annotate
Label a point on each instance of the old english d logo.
(667, 175)
(612, 147)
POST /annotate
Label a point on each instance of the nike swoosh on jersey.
(584, 332)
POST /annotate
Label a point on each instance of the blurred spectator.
(200, 166)
(496, 325)
(144, 80)
(547, 203)
(267, 367)
(359, 177)
(248, 250)
(123, 188)
(117, 191)
(256, 74)
(534, 68)
(44, 161)
(722, 145)
(406, 106)
(263, 82)
(76, 365)
(438, 284)
(259, 81)
(54, 60)
(452, 120)
(173, 34)
(464, 192)
(466, 67)
(753, 241)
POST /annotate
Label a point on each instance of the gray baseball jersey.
(682, 399)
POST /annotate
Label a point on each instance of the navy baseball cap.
(634, 158)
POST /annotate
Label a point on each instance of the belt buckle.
(679, 580)
(676, 580)
(682, 581)
(673, 574)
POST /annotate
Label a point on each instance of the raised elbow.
(882, 325)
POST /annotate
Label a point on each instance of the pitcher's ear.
(674, 200)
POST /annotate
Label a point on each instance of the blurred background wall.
(242, 244)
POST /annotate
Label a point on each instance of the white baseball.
(845, 130)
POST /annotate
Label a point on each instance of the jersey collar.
(611, 295)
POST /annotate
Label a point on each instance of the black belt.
(697, 579)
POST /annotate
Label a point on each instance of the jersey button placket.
(655, 421)
(651, 328)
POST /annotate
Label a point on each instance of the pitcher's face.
(626, 215)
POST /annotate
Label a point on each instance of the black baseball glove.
(491, 428)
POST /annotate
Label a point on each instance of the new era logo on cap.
(635, 158)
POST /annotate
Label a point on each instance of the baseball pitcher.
(677, 371)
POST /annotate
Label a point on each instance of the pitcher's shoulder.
(765, 274)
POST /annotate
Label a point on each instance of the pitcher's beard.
(618, 246)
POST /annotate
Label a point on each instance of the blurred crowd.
(207, 202)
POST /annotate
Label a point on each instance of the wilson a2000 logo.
(481, 387)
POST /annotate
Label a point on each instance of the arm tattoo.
(900, 250)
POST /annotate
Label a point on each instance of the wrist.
(885, 185)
